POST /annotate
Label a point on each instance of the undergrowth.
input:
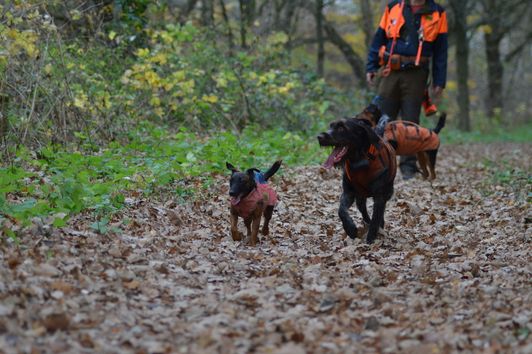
(53, 184)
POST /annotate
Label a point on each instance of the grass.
(55, 183)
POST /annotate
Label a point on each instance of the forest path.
(452, 273)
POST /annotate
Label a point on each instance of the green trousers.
(402, 92)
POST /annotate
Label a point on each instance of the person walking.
(412, 35)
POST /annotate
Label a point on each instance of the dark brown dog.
(369, 167)
(251, 198)
(408, 138)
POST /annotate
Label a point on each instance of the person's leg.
(412, 86)
(413, 83)
(389, 95)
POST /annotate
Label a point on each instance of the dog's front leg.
(268, 212)
(247, 222)
(362, 207)
(234, 226)
(255, 225)
(346, 200)
(377, 219)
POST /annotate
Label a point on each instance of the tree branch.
(519, 47)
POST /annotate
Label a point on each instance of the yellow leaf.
(143, 52)
(210, 98)
(486, 29)
(112, 35)
(155, 101)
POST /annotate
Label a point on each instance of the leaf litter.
(451, 273)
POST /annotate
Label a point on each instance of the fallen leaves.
(451, 274)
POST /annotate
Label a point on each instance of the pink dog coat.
(245, 206)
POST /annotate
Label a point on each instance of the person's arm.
(379, 39)
(439, 60)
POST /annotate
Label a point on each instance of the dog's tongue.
(235, 200)
(335, 156)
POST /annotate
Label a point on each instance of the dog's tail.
(441, 123)
(272, 170)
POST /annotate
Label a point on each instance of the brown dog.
(369, 166)
(251, 198)
(408, 138)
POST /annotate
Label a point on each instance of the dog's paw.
(370, 241)
(236, 235)
(362, 232)
(250, 241)
(351, 231)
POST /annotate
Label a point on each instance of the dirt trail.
(453, 272)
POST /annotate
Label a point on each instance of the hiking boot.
(408, 167)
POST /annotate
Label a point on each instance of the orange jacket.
(381, 160)
(398, 24)
(410, 137)
(432, 24)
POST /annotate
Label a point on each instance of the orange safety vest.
(410, 137)
(381, 160)
(432, 24)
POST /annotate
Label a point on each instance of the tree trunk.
(4, 125)
(354, 60)
(247, 15)
(319, 36)
(243, 24)
(367, 21)
(494, 100)
(207, 12)
(227, 24)
(460, 12)
(185, 11)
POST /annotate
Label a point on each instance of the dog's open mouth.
(336, 156)
(236, 200)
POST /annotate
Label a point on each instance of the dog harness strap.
(372, 152)
(393, 163)
(346, 168)
(394, 128)
(361, 179)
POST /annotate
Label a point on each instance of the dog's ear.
(272, 170)
(251, 173)
(375, 112)
(231, 167)
(372, 137)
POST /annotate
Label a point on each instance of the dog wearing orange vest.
(369, 168)
(408, 138)
(251, 199)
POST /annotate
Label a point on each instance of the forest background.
(101, 99)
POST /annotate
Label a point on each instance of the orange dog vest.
(381, 160)
(410, 137)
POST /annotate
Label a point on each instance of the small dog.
(251, 198)
(369, 168)
(408, 138)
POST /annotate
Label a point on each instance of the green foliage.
(56, 184)
(179, 75)
(183, 77)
